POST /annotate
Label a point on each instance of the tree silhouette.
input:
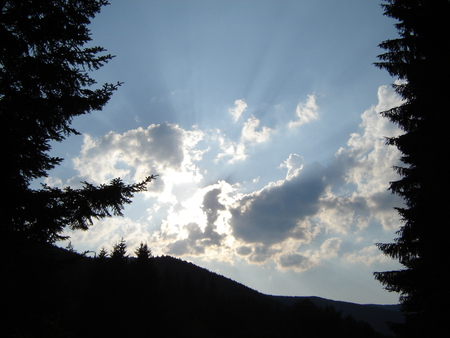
(144, 286)
(103, 254)
(145, 272)
(418, 59)
(143, 253)
(119, 251)
(44, 83)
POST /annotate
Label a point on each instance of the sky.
(261, 118)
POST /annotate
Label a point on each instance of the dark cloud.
(356, 204)
(197, 240)
(179, 248)
(343, 161)
(272, 214)
(244, 250)
(295, 260)
(261, 254)
(166, 144)
(384, 201)
(211, 205)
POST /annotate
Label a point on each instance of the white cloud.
(294, 164)
(305, 112)
(368, 256)
(366, 165)
(200, 225)
(239, 108)
(53, 181)
(330, 247)
(236, 151)
(251, 135)
(165, 150)
(139, 152)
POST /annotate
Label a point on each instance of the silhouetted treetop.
(44, 78)
(119, 251)
(143, 252)
(44, 83)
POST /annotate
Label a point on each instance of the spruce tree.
(44, 83)
(119, 251)
(143, 253)
(419, 59)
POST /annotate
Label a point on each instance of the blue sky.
(261, 119)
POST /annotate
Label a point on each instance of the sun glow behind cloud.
(296, 222)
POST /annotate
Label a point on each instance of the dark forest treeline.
(53, 292)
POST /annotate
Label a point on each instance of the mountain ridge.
(163, 292)
(376, 315)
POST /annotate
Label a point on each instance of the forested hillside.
(79, 296)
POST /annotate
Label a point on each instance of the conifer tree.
(145, 266)
(145, 293)
(143, 252)
(103, 253)
(44, 83)
(419, 59)
(119, 251)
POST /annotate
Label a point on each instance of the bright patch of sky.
(261, 119)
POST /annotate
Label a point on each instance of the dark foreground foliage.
(419, 58)
(45, 81)
(52, 292)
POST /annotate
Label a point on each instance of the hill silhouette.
(376, 315)
(52, 292)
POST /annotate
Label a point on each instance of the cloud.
(305, 112)
(294, 164)
(261, 254)
(199, 225)
(244, 250)
(239, 108)
(53, 181)
(344, 197)
(296, 261)
(251, 135)
(138, 152)
(302, 261)
(363, 170)
(166, 150)
(236, 151)
(330, 247)
(196, 241)
(275, 213)
(367, 256)
(211, 205)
